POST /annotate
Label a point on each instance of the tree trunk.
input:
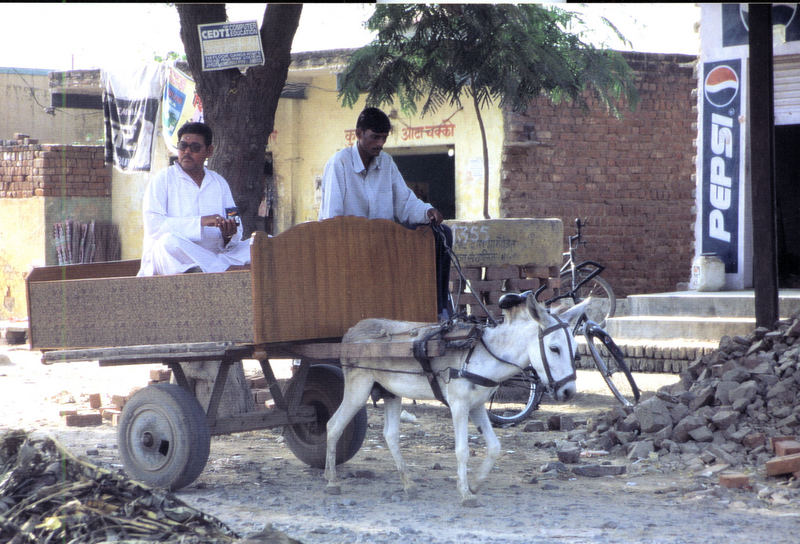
(201, 377)
(240, 109)
(485, 158)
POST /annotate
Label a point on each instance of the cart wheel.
(324, 387)
(163, 436)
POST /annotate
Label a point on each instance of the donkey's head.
(552, 352)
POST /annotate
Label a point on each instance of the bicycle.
(581, 281)
(516, 398)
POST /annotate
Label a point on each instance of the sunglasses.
(194, 146)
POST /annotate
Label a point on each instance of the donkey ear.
(537, 311)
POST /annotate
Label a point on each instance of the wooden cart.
(305, 288)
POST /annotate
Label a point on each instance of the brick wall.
(632, 178)
(489, 283)
(30, 169)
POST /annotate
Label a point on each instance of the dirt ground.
(252, 480)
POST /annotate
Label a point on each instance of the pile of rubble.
(728, 409)
(49, 495)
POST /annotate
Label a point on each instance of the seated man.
(186, 227)
(364, 181)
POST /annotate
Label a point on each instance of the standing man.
(186, 224)
(363, 180)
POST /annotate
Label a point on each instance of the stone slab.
(492, 242)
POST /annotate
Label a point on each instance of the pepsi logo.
(721, 86)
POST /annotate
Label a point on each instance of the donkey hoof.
(470, 502)
(333, 490)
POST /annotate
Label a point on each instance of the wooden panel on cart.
(318, 279)
(314, 281)
(105, 304)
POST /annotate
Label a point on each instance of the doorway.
(432, 176)
(787, 204)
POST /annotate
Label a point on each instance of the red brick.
(108, 412)
(94, 400)
(774, 439)
(160, 375)
(119, 401)
(522, 284)
(783, 465)
(83, 420)
(501, 272)
(786, 447)
(530, 271)
(470, 272)
(735, 481)
(485, 286)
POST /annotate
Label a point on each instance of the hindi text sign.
(519, 241)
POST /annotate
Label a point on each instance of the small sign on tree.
(230, 45)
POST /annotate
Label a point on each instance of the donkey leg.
(480, 418)
(459, 413)
(391, 434)
(356, 392)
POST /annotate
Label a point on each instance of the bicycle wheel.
(514, 399)
(610, 362)
(604, 302)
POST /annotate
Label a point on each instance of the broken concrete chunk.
(596, 471)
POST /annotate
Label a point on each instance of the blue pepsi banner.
(735, 22)
(721, 159)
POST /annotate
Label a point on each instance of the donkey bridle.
(477, 379)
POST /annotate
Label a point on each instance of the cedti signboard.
(230, 45)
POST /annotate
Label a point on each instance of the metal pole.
(762, 163)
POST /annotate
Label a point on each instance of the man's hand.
(435, 216)
(226, 226)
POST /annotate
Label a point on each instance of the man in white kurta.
(185, 222)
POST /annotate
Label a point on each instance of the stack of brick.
(97, 413)
(492, 282)
(29, 169)
(787, 457)
(261, 394)
(650, 358)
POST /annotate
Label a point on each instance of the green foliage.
(435, 54)
(171, 55)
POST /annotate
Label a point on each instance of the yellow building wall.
(25, 95)
(309, 131)
(127, 191)
(22, 239)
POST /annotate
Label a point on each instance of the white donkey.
(527, 336)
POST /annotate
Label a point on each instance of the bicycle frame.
(598, 269)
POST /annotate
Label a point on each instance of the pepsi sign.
(735, 22)
(721, 153)
(721, 86)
